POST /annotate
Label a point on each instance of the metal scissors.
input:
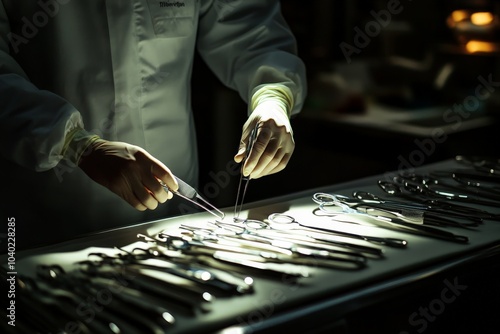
(241, 283)
(281, 229)
(435, 203)
(240, 197)
(391, 242)
(471, 177)
(420, 212)
(146, 317)
(271, 249)
(190, 194)
(327, 200)
(50, 308)
(249, 257)
(433, 187)
(486, 165)
(284, 235)
(434, 179)
(183, 292)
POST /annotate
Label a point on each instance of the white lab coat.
(122, 70)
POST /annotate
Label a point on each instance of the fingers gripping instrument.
(190, 194)
(240, 196)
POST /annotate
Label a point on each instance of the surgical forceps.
(240, 281)
(184, 292)
(426, 185)
(473, 181)
(431, 180)
(280, 228)
(240, 197)
(421, 212)
(434, 202)
(391, 242)
(247, 257)
(147, 317)
(270, 249)
(161, 259)
(486, 165)
(190, 194)
(49, 309)
(327, 200)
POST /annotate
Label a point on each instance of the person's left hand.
(274, 143)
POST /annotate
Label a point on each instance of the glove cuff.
(278, 94)
(76, 142)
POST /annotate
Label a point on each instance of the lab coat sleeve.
(247, 44)
(33, 122)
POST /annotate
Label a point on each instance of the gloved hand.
(127, 170)
(274, 144)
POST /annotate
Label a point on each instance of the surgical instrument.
(455, 209)
(275, 233)
(419, 212)
(190, 194)
(240, 197)
(277, 251)
(120, 308)
(285, 228)
(310, 261)
(209, 275)
(254, 262)
(230, 273)
(46, 310)
(192, 272)
(228, 254)
(487, 165)
(460, 190)
(183, 294)
(385, 241)
(468, 174)
(327, 200)
(283, 250)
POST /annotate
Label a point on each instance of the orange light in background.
(459, 15)
(480, 46)
(481, 18)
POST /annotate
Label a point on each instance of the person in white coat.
(95, 104)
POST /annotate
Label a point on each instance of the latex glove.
(128, 171)
(274, 144)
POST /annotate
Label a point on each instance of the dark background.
(327, 151)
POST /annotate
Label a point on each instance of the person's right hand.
(130, 172)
